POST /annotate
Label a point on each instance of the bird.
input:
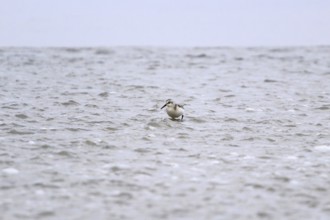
(174, 110)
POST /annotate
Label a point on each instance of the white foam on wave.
(10, 171)
(322, 148)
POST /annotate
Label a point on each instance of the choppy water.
(82, 135)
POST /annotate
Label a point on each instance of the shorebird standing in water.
(173, 110)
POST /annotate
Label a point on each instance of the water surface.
(82, 135)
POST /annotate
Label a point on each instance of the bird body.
(174, 110)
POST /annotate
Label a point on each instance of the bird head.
(168, 101)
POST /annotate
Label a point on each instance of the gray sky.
(164, 22)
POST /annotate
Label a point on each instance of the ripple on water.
(231, 119)
(66, 153)
(90, 143)
(104, 94)
(143, 150)
(17, 132)
(46, 146)
(45, 214)
(110, 147)
(70, 103)
(111, 128)
(75, 129)
(152, 125)
(21, 116)
(197, 119)
(324, 107)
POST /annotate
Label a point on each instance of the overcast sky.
(164, 22)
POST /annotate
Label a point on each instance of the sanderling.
(173, 110)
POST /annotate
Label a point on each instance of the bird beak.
(163, 106)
